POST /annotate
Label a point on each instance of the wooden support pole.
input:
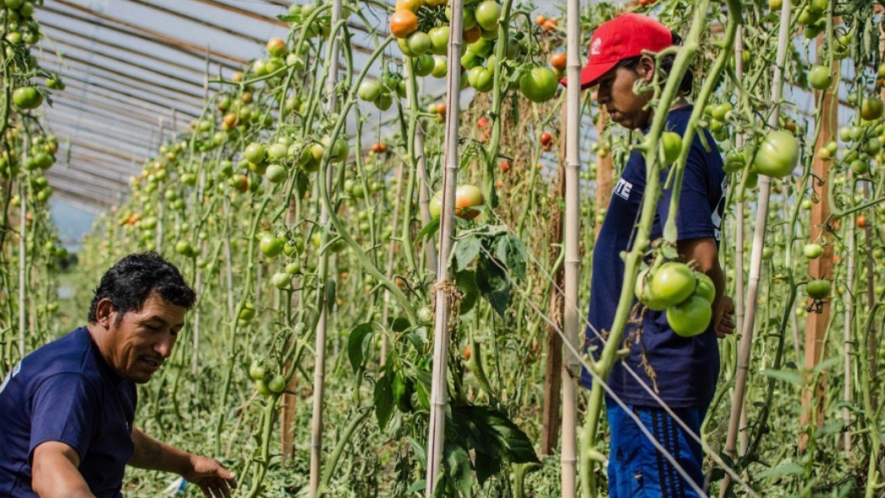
(822, 267)
(553, 367)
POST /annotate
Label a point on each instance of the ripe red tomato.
(482, 122)
(467, 353)
(505, 166)
(403, 23)
(546, 138)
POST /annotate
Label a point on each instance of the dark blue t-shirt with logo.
(683, 371)
(66, 392)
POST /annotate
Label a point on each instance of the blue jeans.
(637, 469)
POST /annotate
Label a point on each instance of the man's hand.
(212, 477)
(723, 318)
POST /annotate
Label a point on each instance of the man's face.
(616, 93)
(143, 339)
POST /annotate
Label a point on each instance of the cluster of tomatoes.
(422, 29)
(685, 294)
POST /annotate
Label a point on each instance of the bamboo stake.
(739, 233)
(764, 189)
(571, 320)
(604, 170)
(442, 289)
(23, 260)
(319, 373)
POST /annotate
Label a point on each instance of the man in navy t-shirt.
(682, 372)
(67, 409)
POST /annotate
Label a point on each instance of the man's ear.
(647, 68)
(105, 314)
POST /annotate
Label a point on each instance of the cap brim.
(591, 73)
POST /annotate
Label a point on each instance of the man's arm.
(153, 455)
(54, 472)
(208, 474)
(704, 257)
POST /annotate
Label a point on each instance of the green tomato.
(257, 370)
(439, 40)
(818, 289)
(440, 67)
(812, 251)
(435, 206)
(487, 14)
(424, 65)
(261, 387)
(255, 153)
(671, 144)
(276, 173)
(640, 289)
(277, 385)
(672, 283)
(820, 77)
(691, 317)
(481, 79)
(778, 154)
(419, 43)
(27, 97)
(271, 246)
(369, 91)
(706, 289)
(538, 84)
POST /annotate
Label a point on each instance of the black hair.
(665, 65)
(132, 279)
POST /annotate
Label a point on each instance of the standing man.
(67, 409)
(682, 371)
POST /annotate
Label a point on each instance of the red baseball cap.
(621, 38)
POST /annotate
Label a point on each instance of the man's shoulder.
(69, 355)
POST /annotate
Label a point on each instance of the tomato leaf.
(419, 451)
(358, 345)
(493, 283)
(466, 283)
(429, 229)
(511, 251)
(384, 398)
(457, 465)
(497, 434)
(786, 376)
(398, 324)
(466, 250)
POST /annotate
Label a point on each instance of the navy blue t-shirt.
(684, 370)
(66, 392)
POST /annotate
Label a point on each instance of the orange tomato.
(505, 166)
(403, 23)
(467, 353)
(473, 34)
(441, 109)
(540, 20)
(861, 221)
(558, 61)
(549, 25)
